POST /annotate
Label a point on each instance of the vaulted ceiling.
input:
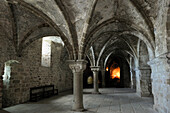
(103, 25)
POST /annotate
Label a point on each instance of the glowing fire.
(107, 69)
(115, 73)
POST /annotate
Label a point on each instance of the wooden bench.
(38, 93)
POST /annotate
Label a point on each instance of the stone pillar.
(131, 79)
(132, 74)
(138, 87)
(161, 83)
(95, 70)
(77, 67)
(143, 81)
(103, 78)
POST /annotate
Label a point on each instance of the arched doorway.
(117, 73)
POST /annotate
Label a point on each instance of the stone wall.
(161, 84)
(29, 73)
(6, 50)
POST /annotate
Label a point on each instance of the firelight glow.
(107, 69)
(115, 73)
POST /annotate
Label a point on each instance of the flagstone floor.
(111, 100)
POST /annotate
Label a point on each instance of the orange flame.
(115, 73)
(107, 69)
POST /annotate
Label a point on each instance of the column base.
(96, 93)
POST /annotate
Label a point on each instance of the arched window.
(46, 52)
(7, 72)
(46, 49)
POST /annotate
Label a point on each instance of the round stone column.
(77, 67)
(95, 70)
(131, 79)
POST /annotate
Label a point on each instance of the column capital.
(95, 68)
(77, 65)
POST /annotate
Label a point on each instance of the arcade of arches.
(117, 43)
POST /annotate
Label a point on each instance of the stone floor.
(110, 101)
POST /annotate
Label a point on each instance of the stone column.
(95, 70)
(161, 83)
(143, 81)
(132, 73)
(103, 78)
(131, 79)
(77, 67)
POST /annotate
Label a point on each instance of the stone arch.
(71, 27)
(89, 58)
(113, 34)
(36, 33)
(114, 20)
(143, 55)
(39, 13)
(111, 47)
(143, 71)
(93, 59)
(142, 37)
(87, 22)
(107, 57)
(120, 38)
(136, 34)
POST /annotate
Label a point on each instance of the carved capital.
(77, 65)
(95, 68)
